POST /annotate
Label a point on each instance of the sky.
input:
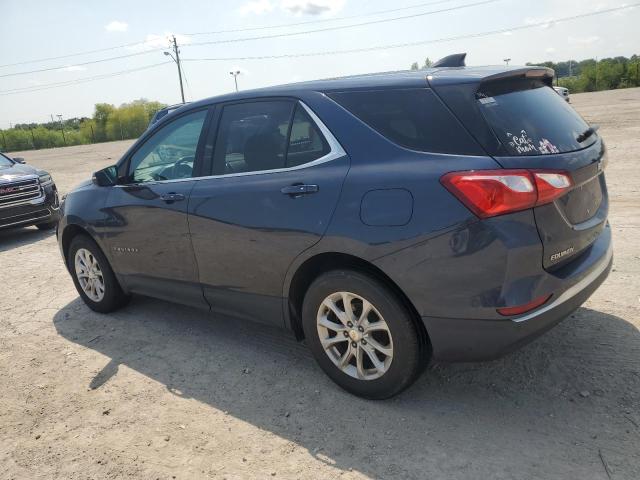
(36, 30)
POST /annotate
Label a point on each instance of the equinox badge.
(563, 253)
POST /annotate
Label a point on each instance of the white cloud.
(583, 40)
(509, 33)
(550, 50)
(297, 7)
(116, 26)
(164, 40)
(312, 7)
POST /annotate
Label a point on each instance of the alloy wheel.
(89, 274)
(354, 335)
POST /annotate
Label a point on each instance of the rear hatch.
(521, 121)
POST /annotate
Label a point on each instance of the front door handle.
(299, 189)
(172, 197)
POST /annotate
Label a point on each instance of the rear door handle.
(300, 189)
(172, 197)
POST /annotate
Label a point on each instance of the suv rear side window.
(252, 137)
(534, 122)
(306, 143)
(266, 135)
(413, 118)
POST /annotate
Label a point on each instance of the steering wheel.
(181, 169)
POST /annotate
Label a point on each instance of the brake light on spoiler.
(489, 193)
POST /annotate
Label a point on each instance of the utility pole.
(93, 137)
(64, 140)
(235, 74)
(596, 74)
(33, 139)
(176, 59)
(506, 61)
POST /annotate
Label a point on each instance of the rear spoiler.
(543, 74)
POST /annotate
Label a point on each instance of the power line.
(416, 43)
(341, 27)
(69, 55)
(262, 37)
(334, 52)
(61, 67)
(324, 20)
(77, 81)
(243, 29)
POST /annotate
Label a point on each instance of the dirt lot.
(163, 391)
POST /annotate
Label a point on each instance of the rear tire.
(93, 277)
(387, 331)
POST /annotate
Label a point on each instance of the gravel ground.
(164, 391)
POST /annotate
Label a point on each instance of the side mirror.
(106, 177)
(18, 160)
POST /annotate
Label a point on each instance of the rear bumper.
(460, 340)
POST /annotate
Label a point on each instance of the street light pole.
(235, 74)
(176, 59)
(506, 61)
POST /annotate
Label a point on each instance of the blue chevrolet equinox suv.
(453, 214)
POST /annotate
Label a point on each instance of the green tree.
(427, 64)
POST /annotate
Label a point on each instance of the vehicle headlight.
(45, 179)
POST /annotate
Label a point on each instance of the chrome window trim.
(335, 151)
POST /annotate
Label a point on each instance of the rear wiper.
(587, 133)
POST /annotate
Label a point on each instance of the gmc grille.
(15, 193)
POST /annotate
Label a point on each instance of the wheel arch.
(70, 232)
(321, 263)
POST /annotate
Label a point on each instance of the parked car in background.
(160, 114)
(389, 219)
(563, 92)
(28, 196)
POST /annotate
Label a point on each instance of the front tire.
(361, 335)
(93, 277)
(47, 226)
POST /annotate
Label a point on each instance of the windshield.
(535, 122)
(4, 161)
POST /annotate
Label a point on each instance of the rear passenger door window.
(266, 135)
(252, 137)
(306, 143)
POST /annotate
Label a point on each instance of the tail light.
(488, 193)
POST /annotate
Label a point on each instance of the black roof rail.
(455, 60)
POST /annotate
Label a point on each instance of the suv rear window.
(534, 122)
(413, 118)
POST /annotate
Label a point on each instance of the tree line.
(593, 75)
(108, 123)
(589, 75)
